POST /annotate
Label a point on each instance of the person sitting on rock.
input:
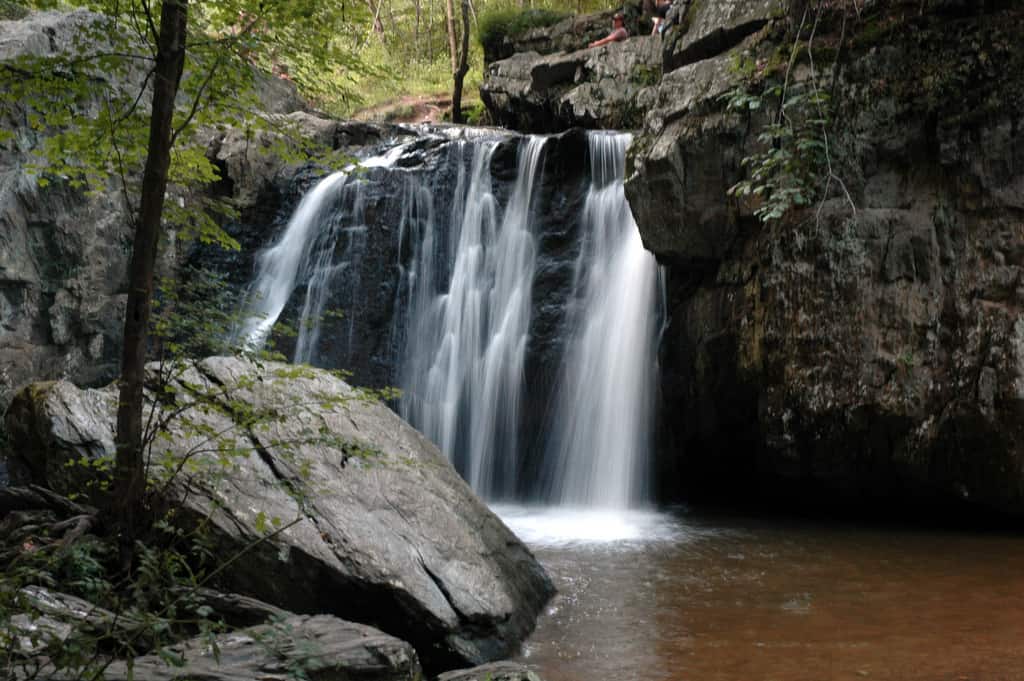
(661, 8)
(618, 33)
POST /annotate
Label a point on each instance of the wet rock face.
(387, 532)
(858, 354)
(359, 332)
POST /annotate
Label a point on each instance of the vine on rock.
(793, 166)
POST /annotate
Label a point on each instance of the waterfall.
(320, 247)
(465, 252)
(278, 267)
(602, 429)
(463, 375)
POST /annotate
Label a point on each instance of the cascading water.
(279, 266)
(463, 375)
(601, 432)
(321, 250)
(462, 302)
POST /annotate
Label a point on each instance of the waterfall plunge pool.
(679, 595)
(642, 595)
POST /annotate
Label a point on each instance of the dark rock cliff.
(870, 346)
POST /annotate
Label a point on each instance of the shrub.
(497, 25)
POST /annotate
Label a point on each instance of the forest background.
(397, 52)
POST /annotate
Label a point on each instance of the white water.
(315, 249)
(603, 424)
(463, 309)
(565, 526)
(463, 375)
(278, 266)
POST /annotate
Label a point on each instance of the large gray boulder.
(385, 532)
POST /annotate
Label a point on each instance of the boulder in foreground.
(385, 531)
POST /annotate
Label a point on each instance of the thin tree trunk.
(463, 68)
(453, 50)
(130, 476)
(416, 32)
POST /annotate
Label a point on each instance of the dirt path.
(408, 109)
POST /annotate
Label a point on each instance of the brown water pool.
(655, 597)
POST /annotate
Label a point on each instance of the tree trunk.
(129, 472)
(453, 50)
(416, 32)
(463, 68)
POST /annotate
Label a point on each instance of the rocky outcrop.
(384, 531)
(869, 347)
(274, 645)
(700, 30)
(496, 671)
(603, 87)
(547, 80)
(319, 647)
(63, 254)
(567, 35)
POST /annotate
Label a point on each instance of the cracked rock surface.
(385, 531)
(321, 647)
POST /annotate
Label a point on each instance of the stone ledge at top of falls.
(549, 81)
(388, 533)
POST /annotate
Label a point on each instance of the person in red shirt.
(618, 33)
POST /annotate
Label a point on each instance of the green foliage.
(12, 10)
(156, 600)
(87, 106)
(787, 170)
(645, 75)
(43, 634)
(496, 25)
(476, 114)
